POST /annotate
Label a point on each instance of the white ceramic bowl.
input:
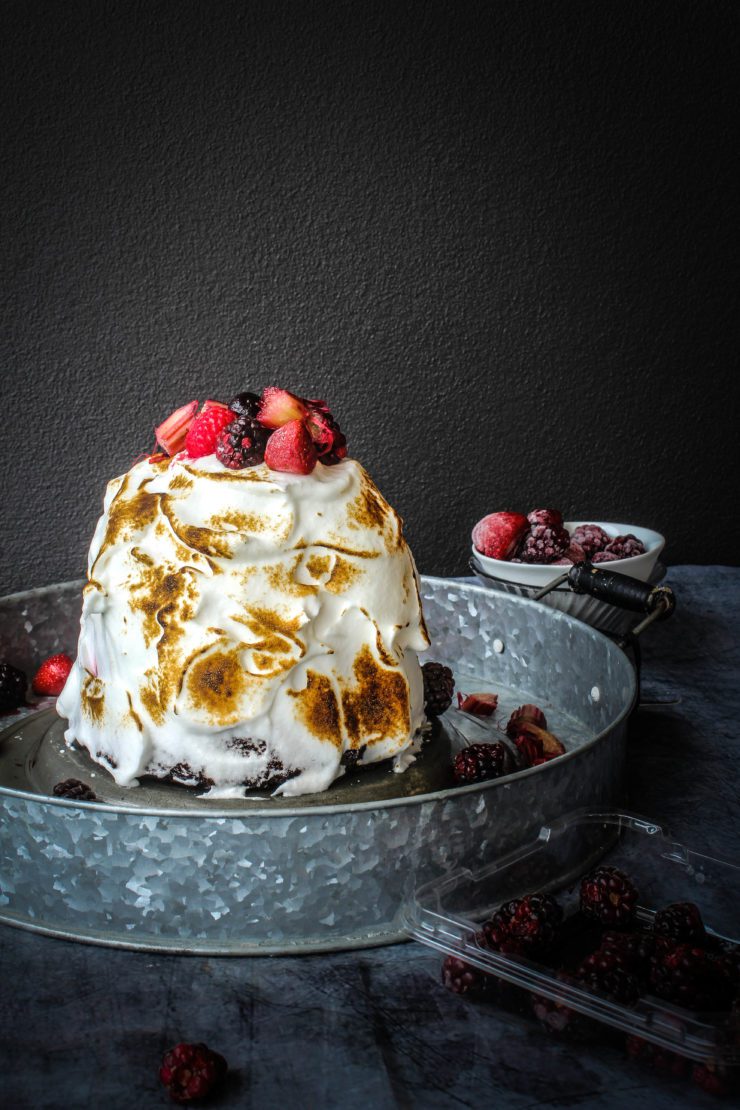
(542, 574)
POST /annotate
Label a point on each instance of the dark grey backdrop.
(498, 237)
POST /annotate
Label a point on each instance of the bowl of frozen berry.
(536, 548)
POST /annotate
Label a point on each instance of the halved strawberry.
(279, 407)
(171, 432)
(203, 433)
(52, 675)
(498, 534)
(291, 449)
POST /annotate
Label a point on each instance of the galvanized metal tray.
(159, 868)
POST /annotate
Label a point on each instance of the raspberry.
(76, 790)
(497, 535)
(552, 518)
(245, 404)
(608, 896)
(590, 538)
(290, 449)
(13, 685)
(625, 547)
(525, 714)
(525, 926)
(242, 443)
(464, 978)
(690, 977)
(543, 544)
(191, 1071)
(52, 675)
(680, 921)
(480, 762)
(655, 1056)
(203, 433)
(604, 557)
(439, 686)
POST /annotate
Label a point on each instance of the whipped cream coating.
(246, 628)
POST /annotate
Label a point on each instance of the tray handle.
(656, 602)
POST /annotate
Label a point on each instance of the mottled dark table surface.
(85, 1027)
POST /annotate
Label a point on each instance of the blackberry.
(636, 950)
(242, 443)
(608, 896)
(690, 977)
(191, 1071)
(616, 983)
(557, 1018)
(76, 790)
(439, 686)
(605, 557)
(13, 685)
(527, 926)
(543, 544)
(479, 762)
(245, 404)
(625, 547)
(681, 921)
(553, 518)
(463, 978)
(591, 538)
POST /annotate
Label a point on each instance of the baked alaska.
(251, 616)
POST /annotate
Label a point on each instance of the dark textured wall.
(496, 236)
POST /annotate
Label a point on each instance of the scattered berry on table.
(625, 547)
(608, 896)
(242, 443)
(290, 449)
(51, 676)
(480, 705)
(498, 535)
(680, 921)
(191, 1071)
(204, 432)
(13, 685)
(543, 543)
(590, 538)
(479, 762)
(75, 790)
(439, 686)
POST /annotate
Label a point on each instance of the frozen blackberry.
(690, 977)
(76, 790)
(439, 686)
(245, 404)
(543, 544)
(680, 921)
(242, 443)
(527, 925)
(479, 762)
(591, 538)
(605, 557)
(608, 896)
(625, 547)
(191, 1071)
(553, 518)
(13, 684)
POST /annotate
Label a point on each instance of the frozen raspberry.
(525, 714)
(527, 926)
(191, 1071)
(574, 554)
(203, 433)
(464, 978)
(75, 790)
(439, 686)
(245, 404)
(543, 544)
(625, 547)
(608, 896)
(51, 676)
(688, 976)
(656, 1057)
(13, 685)
(604, 557)
(552, 518)
(497, 535)
(290, 449)
(479, 762)
(680, 921)
(590, 538)
(242, 443)
(483, 704)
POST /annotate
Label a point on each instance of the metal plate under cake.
(158, 867)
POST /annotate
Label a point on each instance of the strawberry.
(497, 535)
(172, 431)
(482, 705)
(52, 675)
(279, 407)
(291, 449)
(203, 433)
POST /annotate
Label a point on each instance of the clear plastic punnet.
(447, 914)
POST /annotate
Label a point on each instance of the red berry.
(170, 434)
(191, 1071)
(329, 441)
(530, 749)
(203, 433)
(608, 896)
(481, 705)
(525, 714)
(480, 762)
(290, 449)
(605, 557)
(590, 538)
(497, 535)
(279, 407)
(625, 547)
(51, 676)
(543, 543)
(574, 554)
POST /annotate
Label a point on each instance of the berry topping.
(245, 404)
(625, 547)
(203, 433)
(479, 762)
(439, 686)
(191, 1071)
(608, 896)
(279, 407)
(497, 535)
(464, 978)
(13, 685)
(551, 518)
(525, 714)
(543, 543)
(525, 926)
(590, 538)
(690, 977)
(481, 705)
(291, 449)
(76, 790)
(327, 436)
(680, 921)
(242, 443)
(604, 557)
(171, 432)
(52, 674)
